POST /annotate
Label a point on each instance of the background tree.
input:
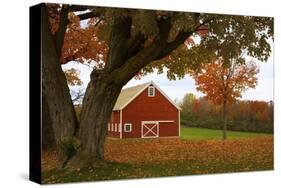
(186, 105)
(242, 115)
(223, 83)
(122, 43)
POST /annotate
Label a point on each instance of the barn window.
(115, 127)
(128, 127)
(151, 91)
(112, 127)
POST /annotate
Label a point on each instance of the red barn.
(144, 111)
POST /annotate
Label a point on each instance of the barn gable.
(144, 111)
(128, 95)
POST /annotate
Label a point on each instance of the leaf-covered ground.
(139, 158)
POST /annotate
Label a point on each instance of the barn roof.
(129, 94)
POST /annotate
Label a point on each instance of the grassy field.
(206, 134)
(199, 151)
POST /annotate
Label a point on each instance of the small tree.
(186, 103)
(223, 83)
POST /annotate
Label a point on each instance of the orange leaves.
(208, 153)
(53, 11)
(139, 158)
(225, 82)
(81, 41)
(72, 77)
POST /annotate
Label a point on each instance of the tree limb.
(131, 66)
(120, 34)
(88, 15)
(59, 37)
(75, 8)
(135, 44)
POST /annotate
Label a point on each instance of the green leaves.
(213, 36)
(145, 22)
(70, 146)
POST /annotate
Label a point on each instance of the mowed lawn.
(199, 151)
(206, 134)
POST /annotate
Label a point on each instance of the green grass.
(175, 157)
(206, 134)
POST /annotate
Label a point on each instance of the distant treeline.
(253, 116)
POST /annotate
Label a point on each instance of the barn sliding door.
(149, 129)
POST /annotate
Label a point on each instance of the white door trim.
(156, 134)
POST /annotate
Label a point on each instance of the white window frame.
(115, 127)
(112, 127)
(153, 91)
(127, 124)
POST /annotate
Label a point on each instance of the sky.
(176, 89)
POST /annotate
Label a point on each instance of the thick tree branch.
(59, 37)
(88, 15)
(119, 37)
(135, 44)
(75, 8)
(181, 37)
(131, 66)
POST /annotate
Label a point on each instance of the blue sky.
(178, 88)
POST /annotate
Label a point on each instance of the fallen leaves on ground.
(160, 151)
(138, 158)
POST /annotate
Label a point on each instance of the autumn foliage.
(81, 42)
(243, 115)
(168, 157)
(221, 81)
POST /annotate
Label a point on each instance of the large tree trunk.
(224, 119)
(97, 106)
(48, 137)
(56, 91)
(100, 97)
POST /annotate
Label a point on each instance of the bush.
(70, 146)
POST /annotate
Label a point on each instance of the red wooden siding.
(144, 108)
(114, 119)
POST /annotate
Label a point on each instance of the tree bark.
(97, 106)
(48, 138)
(224, 119)
(100, 97)
(55, 89)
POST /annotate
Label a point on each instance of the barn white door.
(149, 129)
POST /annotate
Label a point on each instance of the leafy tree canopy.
(225, 83)
(207, 36)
